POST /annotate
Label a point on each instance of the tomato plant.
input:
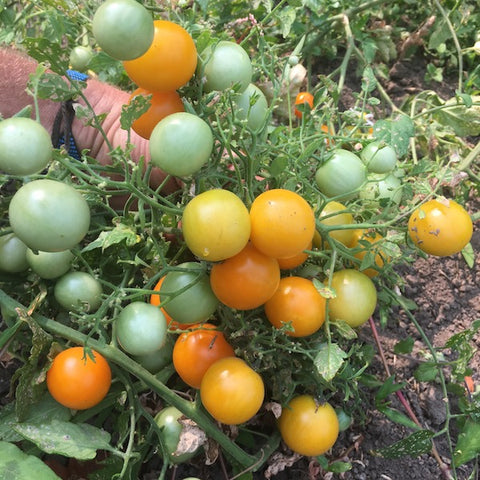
(283, 223)
(341, 175)
(169, 62)
(25, 146)
(181, 144)
(216, 225)
(171, 429)
(231, 391)
(78, 292)
(188, 294)
(77, 380)
(141, 328)
(336, 214)
(225, 65)
(48, 215)
(196, 350)
(123, 28)
(303, 100)
(307, 427)
(252, 106)
(356, 297)
(298, 304)
(50, 265)
(13, 254)
(440, 227)
(162, 104)
(378, 157)
(246, 280)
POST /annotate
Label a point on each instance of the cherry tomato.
(224, 65)
(341, 174)
(252, 106)
(141, 328)
(297, 303)
(123, 28)
(162, 104)
(155, 361)
(216, 225)
(246, 280)
(356, 297)
(181, 144)
(50, 265)
(283, 223)
(170, 61)
(440, 227)
(13, 254)
(305, 100)
(171, 429)
(231, 391)
(308, 428)
(80, 57)
(78, 292)
(25, 146)
(196, 350)
(189, 294)
(374, 240)
(48, 215)
(330, 218)
(378, 157)
(76, 381)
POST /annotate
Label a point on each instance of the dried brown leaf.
(279, 462)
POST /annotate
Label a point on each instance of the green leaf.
(46, 409)
(286, 17)
(395, 132)
(468, 444)
(388, 387)
(397, 417)
(50, 53)
(426, 372)
(414, 445)
(339, 467)
(17, 465)
(404, 346)
(79, 441)
(328, 360)
(344, 329)
(463, 120)
(133, 110)
(278, 166)
(469, 255)
(369, 82)
(120, 233)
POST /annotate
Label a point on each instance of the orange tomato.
(196, 350)
(306, 100)
(169, 63)
(283, 223)
(246, 280)
(373, 238)
(162, 104)
(290, 263)
(76, 381)
(231, 391)
(298, 303)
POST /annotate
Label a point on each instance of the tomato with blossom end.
(440, 227)
(308, 427)
(283, 223)
(196, 350)
(231, 391)
(170, 61)
(78, 381)
(216, 225)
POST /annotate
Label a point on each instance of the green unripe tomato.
(157, 360)
(25, 146)
(252, 106)
(78, 292)
(141, 328)
(12, 254)
(49, 265)
(123, 28)
(80, 57)
(225, 65)
(167, 420)
(378, 157)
